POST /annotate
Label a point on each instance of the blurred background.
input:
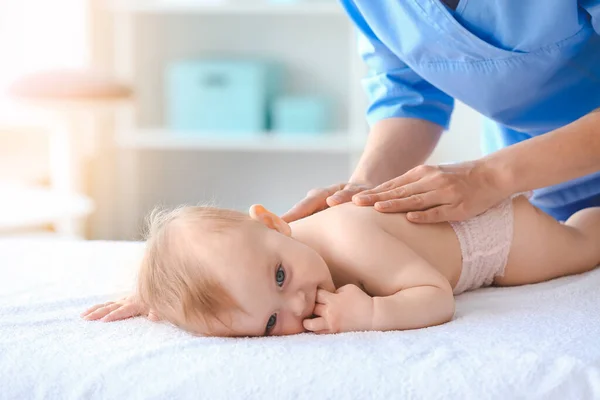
(110, 108)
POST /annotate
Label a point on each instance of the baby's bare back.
(380, 241)
(367, 248)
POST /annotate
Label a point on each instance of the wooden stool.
(69, 103)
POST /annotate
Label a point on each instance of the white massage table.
(537, 342)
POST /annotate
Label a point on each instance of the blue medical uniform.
(528, 66)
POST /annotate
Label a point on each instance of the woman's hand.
(127, 307)
(319, 199)
(440, 193)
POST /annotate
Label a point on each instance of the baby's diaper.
(485, 244)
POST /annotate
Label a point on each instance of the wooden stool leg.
(67, 168)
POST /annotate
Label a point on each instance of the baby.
(219, 272)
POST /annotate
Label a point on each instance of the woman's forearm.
(567, 153)
(394, 146)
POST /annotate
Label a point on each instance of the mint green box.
(221, 95)
(301, 115)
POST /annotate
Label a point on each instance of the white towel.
(534, 342)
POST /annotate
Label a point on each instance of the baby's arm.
(351, 309)
(423, 296)
(413, 308)
(407, 292)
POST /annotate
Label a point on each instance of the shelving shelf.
(314, 8)
(163, 139)
(150, 34)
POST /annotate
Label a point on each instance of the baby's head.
(220, 272)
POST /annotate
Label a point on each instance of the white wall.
(237, 179)
(462, 141)
(277, 180)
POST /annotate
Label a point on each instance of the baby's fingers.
(320, 310)
(94, 308)
(315, 324)
(122, 312)
(102, 311)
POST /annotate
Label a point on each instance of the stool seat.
(69, 85)
(70, 91)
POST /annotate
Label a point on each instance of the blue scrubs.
(528, 67)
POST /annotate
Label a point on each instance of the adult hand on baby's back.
(438, 193)
(321, 198)
(349, 309)
(127, 307)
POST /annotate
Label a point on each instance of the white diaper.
(485, 244)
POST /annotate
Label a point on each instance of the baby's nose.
(298, 303)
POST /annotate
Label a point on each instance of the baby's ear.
(270, 220)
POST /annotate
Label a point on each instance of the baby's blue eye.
(280, 276)
(271, 323)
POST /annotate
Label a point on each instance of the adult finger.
(345, 195)
(315, 201)
(402, 180)
(434, 215)
(304, 208)
(315, 324)
(401, 192)
(418, 202)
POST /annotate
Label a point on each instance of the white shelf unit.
(23, 208)
(157, 139)
(315, 42)
(223, 7)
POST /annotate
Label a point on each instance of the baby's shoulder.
(349, 213)
(361, 249)
(349, 216)
(352, 228)
(347, 220)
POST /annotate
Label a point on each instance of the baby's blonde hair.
(173, 280)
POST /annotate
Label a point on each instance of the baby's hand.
(348, 309)
(127, 307)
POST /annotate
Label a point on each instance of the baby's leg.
(544, 249)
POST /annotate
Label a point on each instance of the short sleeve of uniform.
(393, 88)
(593, 9)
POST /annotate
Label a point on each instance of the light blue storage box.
(306, 115)
(221, 95)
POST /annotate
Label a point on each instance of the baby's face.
(274, 279)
